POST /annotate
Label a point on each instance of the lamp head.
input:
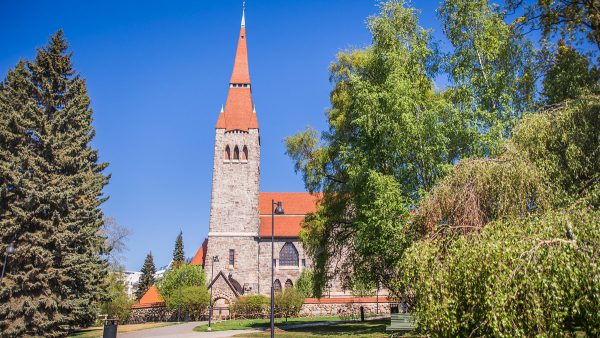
(279, 209)
(216, 259)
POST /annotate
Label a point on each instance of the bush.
(177, 279)
(116, 303)
(288, 303)
(305, 283)
(193, 300)
(252, 306)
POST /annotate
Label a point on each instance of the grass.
(243, 324)
(97, 330)
(368, 329)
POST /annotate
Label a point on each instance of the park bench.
(401, 322)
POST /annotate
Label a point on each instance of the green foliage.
(176, 279)
(569, 77)
(193, 300)
(391, 138)
(178, 254)
(524, 277)
(567, 18)
(564, 143)
(305, 283)
(250, 306)
(491, 67)
(147, 278)
(288, 302)
(116, 303)
(51, 185)
(509, 246)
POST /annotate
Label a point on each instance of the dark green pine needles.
(178, 255)
(147, 278)
(50, 192)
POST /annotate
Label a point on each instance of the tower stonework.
(235, 186)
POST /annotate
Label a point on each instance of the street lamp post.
(276, 208)
(210, 301)
(10, 249)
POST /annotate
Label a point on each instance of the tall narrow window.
(245, 154)
(236, 153)
(227, 153)
(277, 285)
(289, 284)
(231, 257)
(288, 256)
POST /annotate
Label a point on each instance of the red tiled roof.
(150, 298)
(239, 110)
(285, 226)
(200, 254)
(240, 73)
(344, 300)
(294, 203)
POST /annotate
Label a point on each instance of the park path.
(185, 330)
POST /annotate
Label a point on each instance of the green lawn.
(368, 329)
(93, 332)
(243, 324)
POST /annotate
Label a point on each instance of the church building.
(236, 256)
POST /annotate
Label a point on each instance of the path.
(185, 330)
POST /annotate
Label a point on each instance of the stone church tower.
(235, 185)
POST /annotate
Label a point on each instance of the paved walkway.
(185, 330)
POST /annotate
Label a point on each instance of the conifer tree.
(178, 255)
(51, 189)
(147, 278)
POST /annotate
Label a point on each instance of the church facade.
(238, 249)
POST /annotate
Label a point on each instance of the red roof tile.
(200, 254)
(151, 297)
(285, 226)
(294, 203)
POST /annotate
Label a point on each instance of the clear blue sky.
(158, 72)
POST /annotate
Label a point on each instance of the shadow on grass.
(244, 324)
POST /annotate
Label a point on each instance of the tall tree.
(491, 67)
(178, 254)
(147, 278)
(51, 183)
(391, 137)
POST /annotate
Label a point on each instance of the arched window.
(227, 153)
(277, 285)
(288, 256)
(289, 284)
(236, 153)
(245, 154)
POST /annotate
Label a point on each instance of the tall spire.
(243, 13)
(238, 113)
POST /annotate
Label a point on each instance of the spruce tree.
(147, 278)
(51, 190)
(178, 255)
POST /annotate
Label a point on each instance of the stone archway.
(221, 308)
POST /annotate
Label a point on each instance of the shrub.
(305, 283)
(288, 302)
(251, 306)
(193, 300)
(116, 303)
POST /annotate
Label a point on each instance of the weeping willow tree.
(510, 246)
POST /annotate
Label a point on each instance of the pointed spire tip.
(243, 13)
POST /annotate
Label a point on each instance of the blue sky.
(157, 74)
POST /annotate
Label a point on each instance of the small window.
(274, 263)
(227, 153)
(277, 285)
(289, 284)
(236, 153)
(303, 262)
(245, 154)
(231, 257)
